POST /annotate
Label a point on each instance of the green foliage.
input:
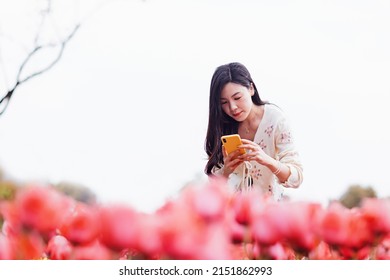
(355, 195)
(76, 191)
(7, 190)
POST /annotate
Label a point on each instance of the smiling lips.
(236, 114)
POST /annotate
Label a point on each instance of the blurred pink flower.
(247, 204)
(42, 208)
(239, 233)
(6, 250)
(28, 246)
(8, 212)
(322, 252)
(333, 225)
(376, 212)
(148, 240)
(291, 223)
(383, 250)
(300, 226)
(93, 251)
(277, 252)
(81, 225)
(345, 227)
(215, 244)
(350, 253)
(264, 227)
(59, 248)
(187, 228)
(7, 229)
(181, 232)
(118, 227)
(209, 202)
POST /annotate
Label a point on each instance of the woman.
(271, 161)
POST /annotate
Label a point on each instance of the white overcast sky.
(125, 110)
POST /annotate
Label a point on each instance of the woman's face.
(236, 101)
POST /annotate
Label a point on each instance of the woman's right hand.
(230, 161)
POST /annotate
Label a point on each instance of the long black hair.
(219, 122)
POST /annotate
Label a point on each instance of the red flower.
(245, 205)
(349, 253)
(277, 252)
(377, 214)
(185, 234)
(263, 226)
(215, 244)
(6, 250)
(383, 250)
(41, 208)
(28, 246)
(208, 202)
(181, 231)
(322, 252)
(333, 226)
(238, 232)
(81, 225)
(118, 227)
(346, 228)
(11, 224)
(301, 224)
(92, 251)
(59, 248)
(148, 240)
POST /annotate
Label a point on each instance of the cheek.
(225, 109)
(247, 103)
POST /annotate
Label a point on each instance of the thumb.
(224, 153)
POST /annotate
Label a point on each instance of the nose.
(232, 106)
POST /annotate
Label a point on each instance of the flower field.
(203, 222)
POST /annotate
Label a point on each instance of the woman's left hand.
(254, 153)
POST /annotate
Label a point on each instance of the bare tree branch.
(45, 12)
(39, 47)
(4, 102)
(34, 51)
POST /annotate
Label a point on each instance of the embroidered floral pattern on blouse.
(285, 137)
(255, 173)
(262, 144)
(269, 130)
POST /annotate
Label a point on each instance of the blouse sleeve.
(217, 171)
(287, 154)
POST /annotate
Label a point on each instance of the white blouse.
(275, 138)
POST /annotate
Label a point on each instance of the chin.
(240, 118)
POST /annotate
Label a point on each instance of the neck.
(252, 121)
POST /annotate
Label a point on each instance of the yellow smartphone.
(231, 143)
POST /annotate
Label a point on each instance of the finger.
(234, 154)
(224, 153)
(234, 163)
(249, 142)
(246, 147)
(249, 156)
(245, 141)
(246, 157)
